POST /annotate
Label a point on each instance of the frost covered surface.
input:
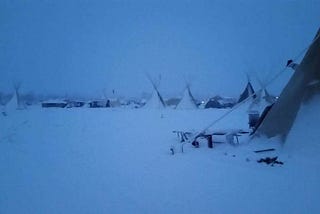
(118, 161)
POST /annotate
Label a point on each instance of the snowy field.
(118, 161)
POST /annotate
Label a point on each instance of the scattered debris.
(269, 160)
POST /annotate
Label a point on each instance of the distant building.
(220, 102)
(99, 104)
(75, 104)
(54, 104)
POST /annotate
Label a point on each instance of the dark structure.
(99, 104)
(75, 104)
(220, 102)
(54, 104)
(247, 92)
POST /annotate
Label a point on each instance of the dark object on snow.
(172, 151)
(99, 104)
(264, 150)
(253, 119)
(54, 104)
(195, 144)
(289, 62)
(292, 64)
(210, 142)
(75, 104)
(208, 137)
(269, 160)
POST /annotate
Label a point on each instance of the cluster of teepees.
(157, 102)
(278, 118)
(301, 88)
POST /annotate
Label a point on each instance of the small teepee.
(15, 102)
(247, 92)
(156, 101)
(187, 101)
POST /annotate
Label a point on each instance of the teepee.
(301, 88)
(247, 92)
(156, 101)
(187, 101)
(14, 103)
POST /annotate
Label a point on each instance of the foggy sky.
(87, 47)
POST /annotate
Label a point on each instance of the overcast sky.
(74, 46)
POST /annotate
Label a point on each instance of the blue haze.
(86, 47)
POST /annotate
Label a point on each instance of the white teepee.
(187, 101)
(155, 102)
(13, 103)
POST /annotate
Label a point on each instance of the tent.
(12, 104)
(187, 101)
(156, 101)
(301, 88)
(247, 92)
(15, 102)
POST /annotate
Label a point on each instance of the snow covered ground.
(118, 161)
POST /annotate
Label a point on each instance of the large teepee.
(187, 101)
(301, 88)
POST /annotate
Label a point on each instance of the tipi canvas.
(187, 101)
(247, 92)
(155, 102)
(303, 86)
